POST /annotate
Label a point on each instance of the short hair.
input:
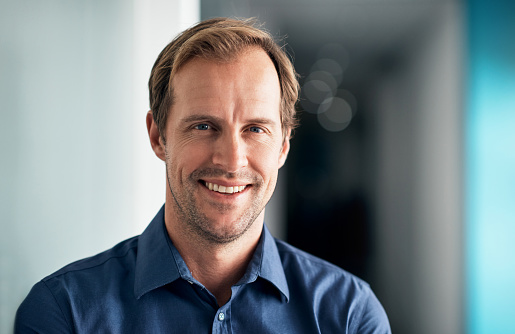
(220, 39)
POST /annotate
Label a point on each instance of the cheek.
(184, 159)
(271, 182)
(266, 163)
(269, 151)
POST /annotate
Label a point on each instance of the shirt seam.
(311, 259)
(58, 305)
(91, 266)
(358, 324)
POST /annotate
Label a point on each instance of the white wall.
(77, 173)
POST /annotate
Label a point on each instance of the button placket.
(221, 321)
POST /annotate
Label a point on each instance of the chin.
(227, 229)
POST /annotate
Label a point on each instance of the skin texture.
(224, 128)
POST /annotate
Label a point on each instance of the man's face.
(224, 144)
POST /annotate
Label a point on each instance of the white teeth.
(224, 189)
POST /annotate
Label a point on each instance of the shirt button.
(221, 316)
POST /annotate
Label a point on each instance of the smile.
(224, 189)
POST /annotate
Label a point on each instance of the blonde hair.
(221, 39)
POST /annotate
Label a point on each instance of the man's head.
(219, 39)
(229, 92)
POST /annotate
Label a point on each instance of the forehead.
(250, 60)
(248, 76)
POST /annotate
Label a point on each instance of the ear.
(154, 136)
(284, 149)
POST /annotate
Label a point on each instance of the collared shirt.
(143, 285)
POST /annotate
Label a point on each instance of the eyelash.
(207, 126)
(204, 127)
(257, 128)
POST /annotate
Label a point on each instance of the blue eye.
(255, 129)
(202, 127)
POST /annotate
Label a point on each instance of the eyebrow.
(206, 117)
(200, 117)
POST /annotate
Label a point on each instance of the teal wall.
(490, 161)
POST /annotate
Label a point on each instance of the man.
(222, 98)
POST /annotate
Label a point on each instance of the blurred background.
(402, 171)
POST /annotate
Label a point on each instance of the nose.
(230, 152)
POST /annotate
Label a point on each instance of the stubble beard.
(197, 223)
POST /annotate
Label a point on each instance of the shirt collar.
(154, 265)
(158, 262)
(266, 263)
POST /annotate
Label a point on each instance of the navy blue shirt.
(143, 285)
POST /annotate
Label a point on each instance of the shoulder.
(95, 275)
(123, 253)
(49, 304)
(312, 267)
(40, 313)
(339, 297)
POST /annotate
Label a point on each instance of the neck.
(217, 266)
(218, 269)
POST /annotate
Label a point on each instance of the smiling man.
(222, 98)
